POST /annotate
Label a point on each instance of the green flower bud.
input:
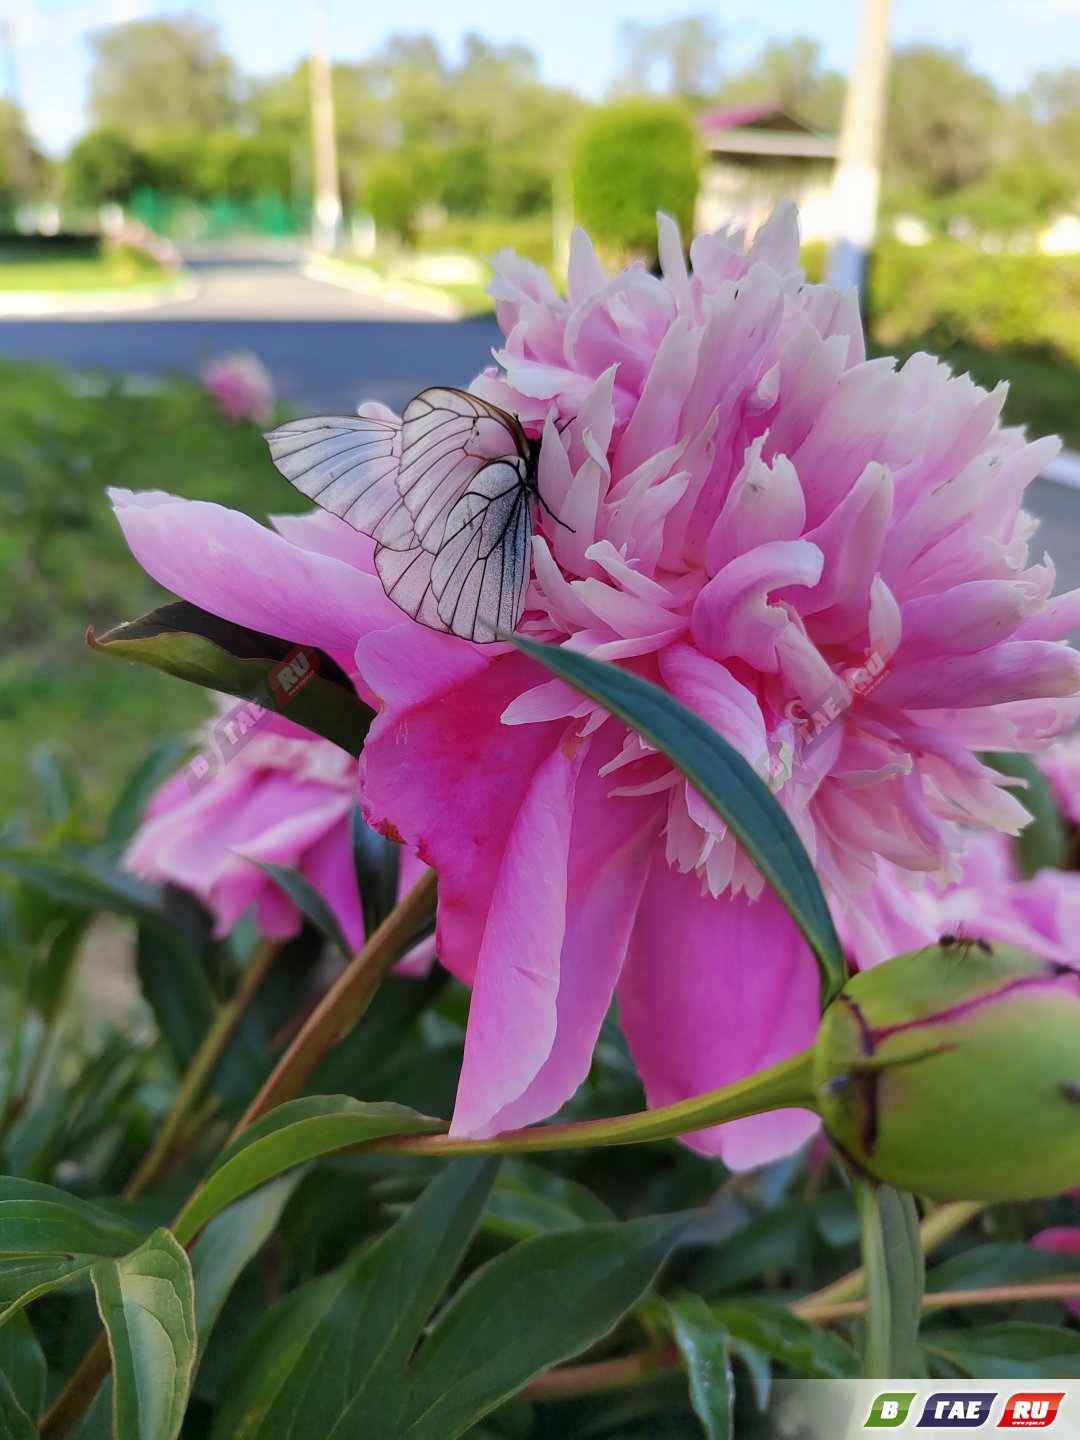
(954, 1072)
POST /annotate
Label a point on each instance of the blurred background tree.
(633, 158)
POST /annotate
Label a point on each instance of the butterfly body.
(448, 493)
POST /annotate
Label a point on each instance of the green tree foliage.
(633, 158)
(152, 76)
(22, 166)
(103, 165)
(791, 74)
(945, 125)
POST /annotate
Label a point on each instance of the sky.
(578, 43)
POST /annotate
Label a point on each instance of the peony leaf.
(773, 1329)
(895, 1271)
(1013, 1350)
(335, 1353)
(49, 1240)
(1040, 844)
(545, 1300)
(291, 1135)
(308, 901)
(705, 1347)
(724, 779)
(147, 1305)
(199, 647)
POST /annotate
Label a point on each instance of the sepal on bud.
(954, 1072)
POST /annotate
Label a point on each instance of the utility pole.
(858, 168)
(326, 216)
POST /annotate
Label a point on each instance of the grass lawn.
(64, 565)
(113, 269)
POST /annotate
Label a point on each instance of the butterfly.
(448, 494)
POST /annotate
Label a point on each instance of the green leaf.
(174, 984)
(82, 878)
(1012, 1351)
(147, 1305)
(227, 1244)
(190, 643)
(543, 1301)
(50, 979)
(15, 1423)
(725, 781)
(49, 1239)
(895, 1276)
(991, 1265)
(1042, 843)
(23, 1363)
(705, 1347)
(333, 1356)
(58, 782)
(810, 1353)
(130, 804)
(378, 870)
(529, 1200)
(309, 902)
(291, 1135)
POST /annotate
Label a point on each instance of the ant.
(948, 940)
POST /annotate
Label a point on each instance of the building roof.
(765, 128)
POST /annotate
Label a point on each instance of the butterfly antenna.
(554, 517)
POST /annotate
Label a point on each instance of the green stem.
(878, 1310)
(788, 1084)
(201, 1070)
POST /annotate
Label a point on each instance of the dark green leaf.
(190, 643)
(309, 902)
(906, 1268)
(810, 1353)
(706, 1350)
(58, 782)
(227, 1244)
(49, 1239)
(22, 1362)
(543, 1301)
(1042, 843)
(50, 979)
(131, 803)
(175, 986)
(894, 1268)
(987, 1265)
(83, 878)
(331, 1360)
(15, 1423)
(724, 779)
(530, 1200)
(147, 1305)
(378, 869)
(1014, 1351)
(291, 1135)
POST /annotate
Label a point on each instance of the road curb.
(363, 281)
(30, 303)
(1064, 470)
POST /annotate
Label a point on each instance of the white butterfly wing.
(447, 437)
(347, 464)
(482, 569)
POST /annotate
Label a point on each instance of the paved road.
(328, 348)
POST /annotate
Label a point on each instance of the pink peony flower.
(242, 387)
(1061, 766)
(824, 556)
(990, 900)
(286, 798)
(1064, 1240)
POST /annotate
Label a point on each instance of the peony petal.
(736, 992)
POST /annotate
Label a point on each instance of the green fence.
(183, 218)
